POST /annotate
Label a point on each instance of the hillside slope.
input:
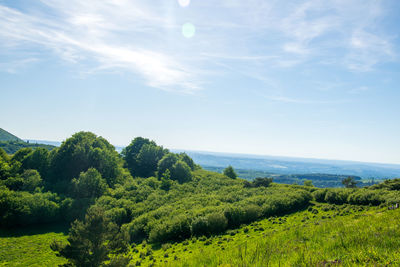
(6, 136)
(324, 235)
(10, 147)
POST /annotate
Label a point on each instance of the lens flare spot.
(184, 3)
(188, 30)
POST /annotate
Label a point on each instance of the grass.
(31, 246)
(325, 235)
(322, 235)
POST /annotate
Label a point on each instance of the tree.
(259, 181)
(166, 163)
(5, 167)
(3, 155)
(31, 180)
(90, 242)
(308, 183)
(188, 160)
(21, 154)
(349, 182)
(90, 184)
(166, 182)
(79, 153)
(181, 172)
(38, 160)
(147, 160)
(230, 172)
(131, 152)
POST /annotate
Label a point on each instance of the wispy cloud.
(143, 37)
(284, 99)
(86, 33)
(15, 65)
(367, 50)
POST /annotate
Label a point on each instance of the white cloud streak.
(79, 36)
(143, 37)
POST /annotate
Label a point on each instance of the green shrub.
(319, 195)
(337, 196)
(365, 197)
(176, 229)
(23, 208)
(213, 223)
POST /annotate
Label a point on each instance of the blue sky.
(292, 78)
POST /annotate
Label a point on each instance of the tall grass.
(336, 235)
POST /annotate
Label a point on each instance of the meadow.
(323, 235)
(31, 246)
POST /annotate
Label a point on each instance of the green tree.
(181, 172)
(4, 165)
(38, 160)
(147, 160)
(230, 172)
(166, 182)
(3, 155)
(21, 154)
(308, 183)
(131, 152)
(349, 182)
(259, 181)
(31, 180)
(90, 184)
(91, 242)
(166, 163)
(79, 153)
(188, 160)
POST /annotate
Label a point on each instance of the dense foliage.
(146, 194)
(80, 152)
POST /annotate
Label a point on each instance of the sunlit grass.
(31, 246)
(345, 235)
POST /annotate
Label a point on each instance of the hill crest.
(6, 136)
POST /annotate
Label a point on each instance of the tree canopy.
(349, 182)
(230, 172)
(142, 156)
(79, 153)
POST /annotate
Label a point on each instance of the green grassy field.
(325, 235)
(322, 235)
(31, 246)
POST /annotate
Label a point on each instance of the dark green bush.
(176, 229)
(337, 196)
(319, 195)
(23, 208)
(365, 197)
(213, 223)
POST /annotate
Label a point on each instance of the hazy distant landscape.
(282, 165)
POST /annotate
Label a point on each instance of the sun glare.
(184, 3)
(188, 30)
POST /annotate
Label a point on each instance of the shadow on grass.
(35, 230)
